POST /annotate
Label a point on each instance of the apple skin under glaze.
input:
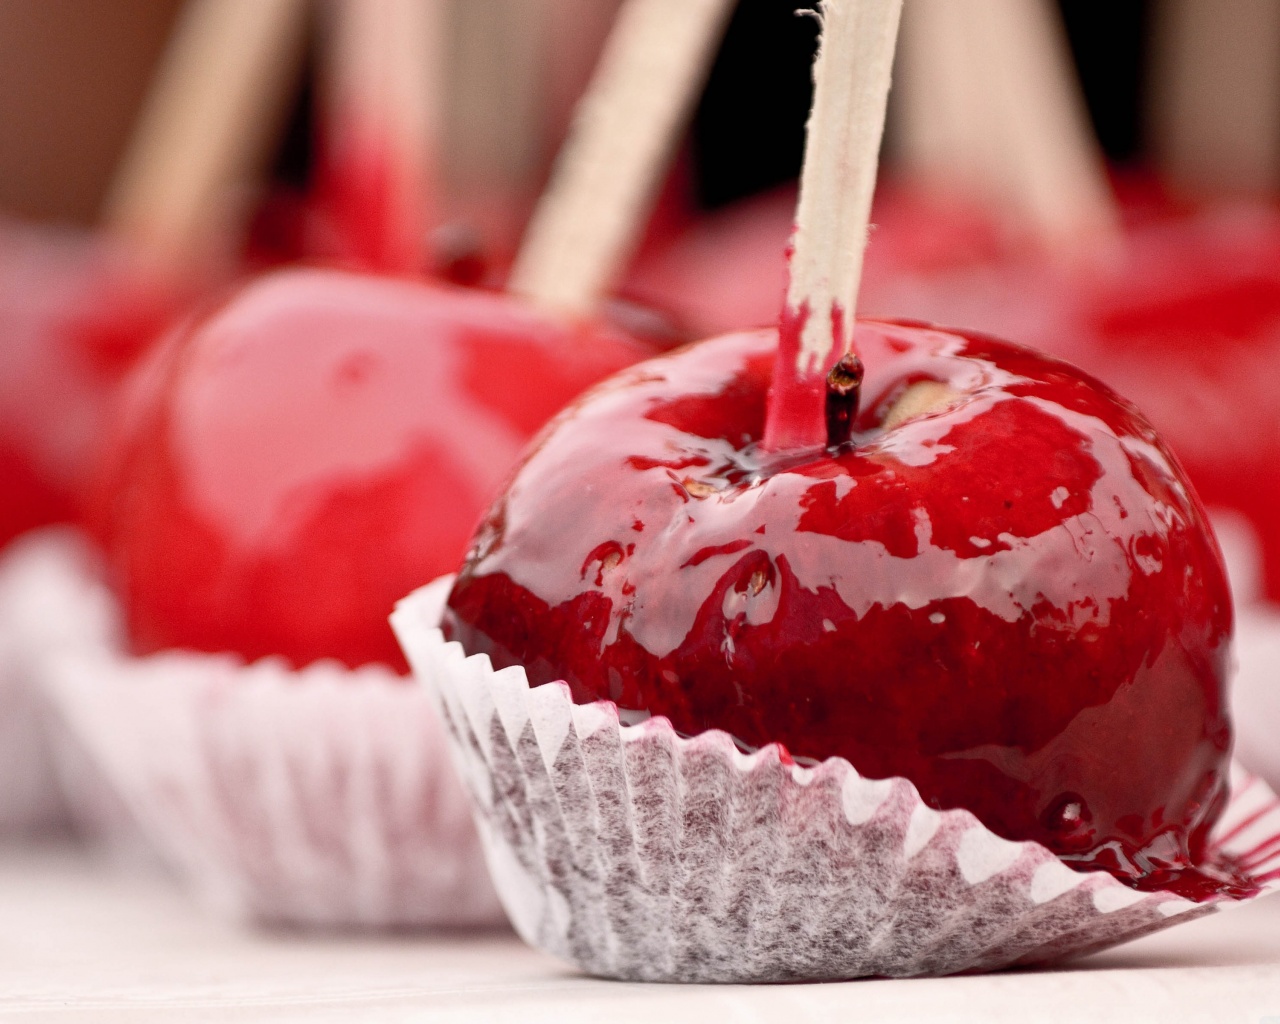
(294, 463)
(1013, 601)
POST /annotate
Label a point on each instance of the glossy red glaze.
(318, 446)
(1189, 326)
(1183, 317)
(1014, 602)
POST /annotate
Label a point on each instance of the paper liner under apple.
(52, 603)
(322, 797)
(636, 853)
(30, 798)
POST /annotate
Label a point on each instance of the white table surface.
(84, 941)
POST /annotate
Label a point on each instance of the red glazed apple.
(994, 581)
(296, 462)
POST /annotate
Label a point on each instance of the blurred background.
(74, 73)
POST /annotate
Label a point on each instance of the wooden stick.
(383, 123)
(1215, 93)
(624, 133)
(494, 157)
(208, 121)
(576, 33)
(990, 100)
(939, 106)
(851, 88)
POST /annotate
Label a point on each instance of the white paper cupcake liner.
(635, 853)
(323, 797)
(39, 616)
(30, 802)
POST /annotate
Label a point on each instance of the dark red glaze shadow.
(292, 465)
(1014, 602)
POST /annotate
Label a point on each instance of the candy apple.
(291, 465)
(993, 580)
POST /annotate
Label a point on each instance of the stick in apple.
(816, 375)
(989, 98)
(576, 31)
(1215, 92)
(623, 135)
(208, 120)
(381, 147)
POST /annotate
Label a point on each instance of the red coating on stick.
(797, 409)
(378, 213)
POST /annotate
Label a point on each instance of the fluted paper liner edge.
(320, 797)
(635, 853)
(39, 615)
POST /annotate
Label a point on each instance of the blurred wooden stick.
(1215, 93)
(385, 83)
(207, 125)
(624, 134)
(575, 37)
(990, 99)
(938, 97)
(494, 146)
